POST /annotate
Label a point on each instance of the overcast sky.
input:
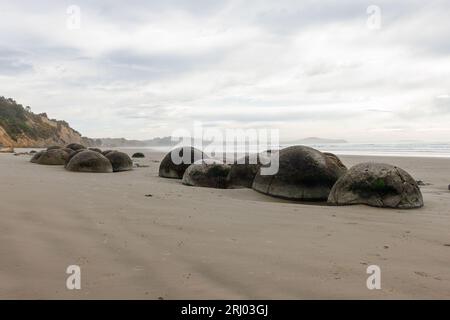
(140, 69)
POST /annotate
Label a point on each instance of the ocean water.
(441, 150)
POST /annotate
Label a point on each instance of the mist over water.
(418, 149)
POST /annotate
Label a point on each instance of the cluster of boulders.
(304, 174)
(76, 157)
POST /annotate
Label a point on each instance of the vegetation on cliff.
(21, 127)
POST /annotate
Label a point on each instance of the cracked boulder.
(304, 174)
(378, 185)
(206, 175)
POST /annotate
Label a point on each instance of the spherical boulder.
(304, 174)
(175, 163)
(120, 161)
(72, 155)
(36, 156)
(206, 175)
(75, 146)
(89, 161)
(138, 155)
(378, 185)
(54, 157)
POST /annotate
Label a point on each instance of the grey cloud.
(13, 62)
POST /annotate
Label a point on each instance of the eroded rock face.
(378, 185)
(75, 146)
(53, 157)
(89, 161)
(206, 175)
(170, 169)
(120, 161)
(304, 174)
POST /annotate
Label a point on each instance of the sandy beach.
(136, 235)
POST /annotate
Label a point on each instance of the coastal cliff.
(19, 127)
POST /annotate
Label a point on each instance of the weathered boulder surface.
(304, 174)
(36, 156)
(72, 155)
(206, 175)
(120, 161)
(175, 163)
(378, 185)
(89, 161)
(95, 149)
(335, 159)
(54, 157)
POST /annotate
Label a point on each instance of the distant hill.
(121, 142)
(19, 127)
(315, 140)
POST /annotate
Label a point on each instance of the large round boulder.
(72, 155)
(54, 157)
(304, 174)
(36, 156)
(206, 175)
(75, 146)
(175, 163)
(378, 185)
(120, 161)
(89, 161)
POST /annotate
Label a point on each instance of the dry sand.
(187, 242)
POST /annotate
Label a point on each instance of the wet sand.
(138, 236)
